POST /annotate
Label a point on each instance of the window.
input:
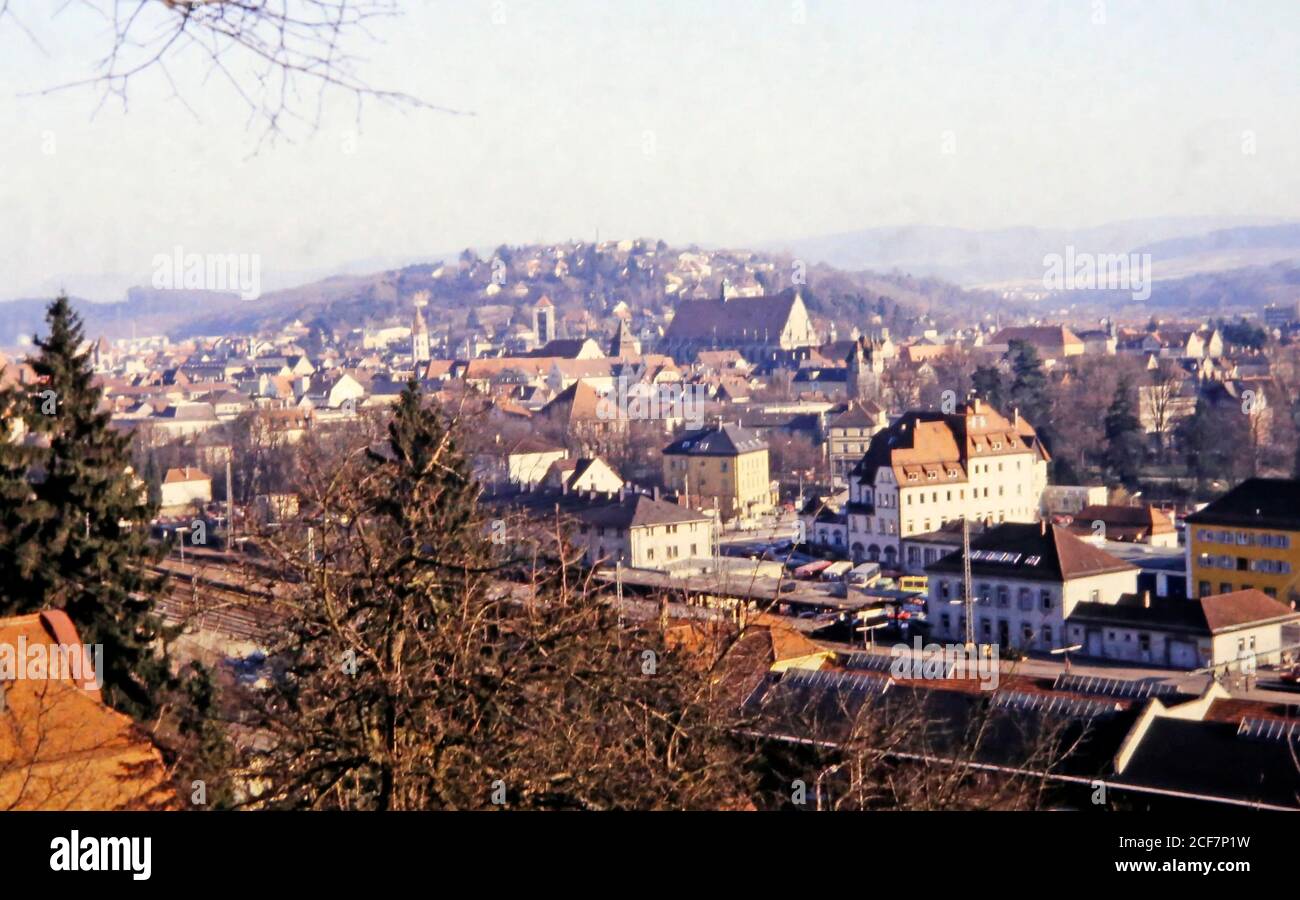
(1144, 643)
(1026, 599)
(1045, 598)
(1047, 635)
(1004, 596)
(945, 590)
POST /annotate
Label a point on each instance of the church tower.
(420, 330)
(865, 368)
(544, 321)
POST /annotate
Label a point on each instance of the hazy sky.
(717, 122)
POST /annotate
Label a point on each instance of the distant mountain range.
(1013, 257)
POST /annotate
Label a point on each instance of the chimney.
(1146, 599)
(1017, 416)
(1042, 525)
(655, 493)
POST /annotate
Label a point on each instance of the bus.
(836, 571)
(810, 570)
(918, 583)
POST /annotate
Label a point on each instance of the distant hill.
(147, 310)
(1014, 256)
(593, 279)
(1246, 290)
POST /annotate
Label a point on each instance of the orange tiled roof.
(61, 748)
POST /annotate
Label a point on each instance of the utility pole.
(969, 605)
(618, 588)
(230, 510)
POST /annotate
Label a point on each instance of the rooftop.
(720, 440)
(1255, 503)
(1036, 551)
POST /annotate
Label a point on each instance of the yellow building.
(1248, 538)
(723, 467)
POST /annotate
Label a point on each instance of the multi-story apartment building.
(723, 467)
(929, 468)
(1026, 580)
(1248, 538)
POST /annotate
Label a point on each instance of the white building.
(1026, 580)
(644, 533)
(1233, 632)
(186, 486)
(929, 468)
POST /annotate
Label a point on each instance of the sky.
(710, 121)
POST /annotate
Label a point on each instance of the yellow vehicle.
(918, 583)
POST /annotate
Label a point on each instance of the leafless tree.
(281, 57)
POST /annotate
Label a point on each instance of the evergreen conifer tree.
(74, 518)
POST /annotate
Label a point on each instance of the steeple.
(544, 321)
(420, 330)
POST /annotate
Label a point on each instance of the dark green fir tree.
(74, 518)
(1124, 441)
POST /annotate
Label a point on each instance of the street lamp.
(1067, 651)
